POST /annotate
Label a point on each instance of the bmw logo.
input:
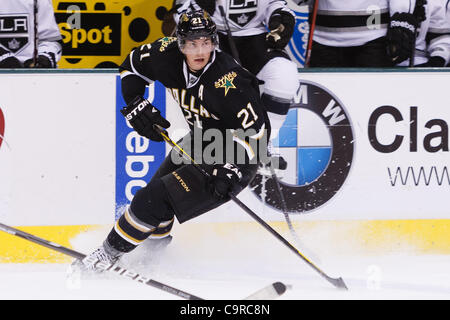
(318, 142)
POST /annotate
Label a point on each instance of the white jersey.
(17, 29)
(245, 17)
(434, 34)
(353, 23)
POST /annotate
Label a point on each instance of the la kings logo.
(241, 12)
(14, 32)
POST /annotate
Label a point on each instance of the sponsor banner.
(104, 29)
(367, 157)
(317, 168)
(374, 151)
(364, 146)
(297, 46)
(137, 158)
(101, 34)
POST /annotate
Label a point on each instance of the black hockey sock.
(128, 232)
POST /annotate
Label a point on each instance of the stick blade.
(338, 283)
(270, 292)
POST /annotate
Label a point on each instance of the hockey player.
(258, 51)
(215, 94)
(29, 35)
(433, 39)
(364, 33)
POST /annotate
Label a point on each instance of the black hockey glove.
(45, 60)
(278, 162)
(207, 5)
(142, 115)
(281, 26)
(401, 36)
(224, 178)
(8, 60)
(420, 11)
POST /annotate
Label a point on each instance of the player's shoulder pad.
(159, 46)
(155, 50)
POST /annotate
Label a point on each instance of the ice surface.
(212, 268)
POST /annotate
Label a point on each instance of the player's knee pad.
(280, 78)
(150, 204)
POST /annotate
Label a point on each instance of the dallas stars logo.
(226, 82)
(165, 42)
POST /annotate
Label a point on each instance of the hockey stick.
(283, 204)
(231, 43)
(419, 5)
(269, 292)
(99, 265)
(286, 214)
(276, 37)
(311, 33)
(337, 282)
(35, 50)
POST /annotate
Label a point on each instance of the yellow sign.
(100, 34)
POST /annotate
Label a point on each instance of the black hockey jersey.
(224, 97)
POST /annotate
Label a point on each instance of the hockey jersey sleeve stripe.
(259, 134)
(432, 37)
(248, 149)
(440, 31)
(349, 13)
(349, 21)
(125, 73)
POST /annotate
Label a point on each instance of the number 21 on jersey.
(248, 116)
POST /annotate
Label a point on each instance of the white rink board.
(57, 163)
(57, 167)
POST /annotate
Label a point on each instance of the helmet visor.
(197, 45)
